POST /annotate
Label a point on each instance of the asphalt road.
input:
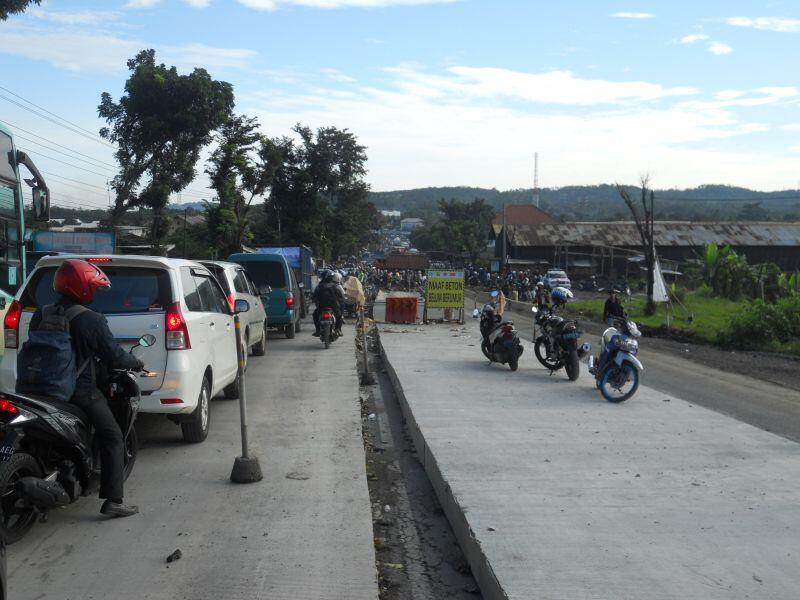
(765, 405)
(303, 533)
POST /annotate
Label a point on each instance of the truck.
(302, 263)
(397, 261)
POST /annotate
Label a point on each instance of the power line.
(17, 128)
(48, 112)
(63, 162)
(43, 116)
(70, 179)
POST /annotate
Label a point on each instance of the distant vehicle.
(237, 285)
(302, 263)
(277, 286)
(178, 301)
(555, 278)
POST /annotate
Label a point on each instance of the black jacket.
(91, 338)
(613, 309)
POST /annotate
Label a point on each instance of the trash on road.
(175, 556)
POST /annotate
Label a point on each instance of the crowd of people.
(521, 285)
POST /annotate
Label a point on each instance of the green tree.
(241, 169)
(160, 125)
(10, 7)
(318, 195)
(462, 227)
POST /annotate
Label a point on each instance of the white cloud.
(276, 4)
(633, 15)
(142, 3)
(78, 17)
(791, 127)
(337, 75)
(552, 87)
(76, 50)
(728, 95)
(695, 37)
(417, 138)
(198, 3)
(719, 48)
(780, 24)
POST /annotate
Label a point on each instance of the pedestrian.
(613, 309)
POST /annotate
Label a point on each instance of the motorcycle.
(50, 457)
(616, 370)
(327, 327)
(500, 340)
(557, 346)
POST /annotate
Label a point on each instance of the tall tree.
(462, 227)
(10, 7)
(160, 125)
(241, 169)
(318, 195)
(644, 224)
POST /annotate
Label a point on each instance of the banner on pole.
(445, 289)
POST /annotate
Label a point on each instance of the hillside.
(601, 202)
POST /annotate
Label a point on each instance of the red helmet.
(79, 279)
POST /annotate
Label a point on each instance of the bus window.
(7, 170)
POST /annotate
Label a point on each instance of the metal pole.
(185, 216)
(246, 468)
(505, 238)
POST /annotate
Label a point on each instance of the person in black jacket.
(613, 308)
(76, 280)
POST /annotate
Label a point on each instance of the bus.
(12, 213)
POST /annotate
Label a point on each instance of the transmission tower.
(536, 179)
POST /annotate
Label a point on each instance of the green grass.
(711, 314)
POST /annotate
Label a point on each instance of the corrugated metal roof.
(667, 233)
(523, 214)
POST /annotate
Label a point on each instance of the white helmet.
(337, 278)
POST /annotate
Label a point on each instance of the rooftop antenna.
(536, 179)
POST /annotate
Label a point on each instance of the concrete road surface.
(555, 493)
(304, 532)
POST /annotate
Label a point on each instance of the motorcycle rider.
(77, 281)
(329, 294)
(613, 309)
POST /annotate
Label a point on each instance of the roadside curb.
(456, 514)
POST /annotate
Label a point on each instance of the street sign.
(445, 289)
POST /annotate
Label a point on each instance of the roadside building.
(582, 245)
(409, 225)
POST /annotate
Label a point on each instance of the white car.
(556, 278)
(237, 285)
(178, 301)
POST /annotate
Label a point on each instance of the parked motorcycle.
(327, 327)
(49, 454)
(616, 370)
(557, 346)
(499, 339)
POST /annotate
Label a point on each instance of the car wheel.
(195, 429)
(289, 331)
(261, 347)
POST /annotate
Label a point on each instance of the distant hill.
(602, 202)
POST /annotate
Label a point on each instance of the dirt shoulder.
(780, 369)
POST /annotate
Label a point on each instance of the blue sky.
(445, 92)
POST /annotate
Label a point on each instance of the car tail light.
(177, 333)
(7, 407)
(171, 401)
(98, 259)
(231, 301)
(289, 301)
(326, 315)
(11, 325)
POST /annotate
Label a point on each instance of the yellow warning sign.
(445, 289)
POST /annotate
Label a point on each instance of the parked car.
(555, 278)
(278, 288)
(178, 301)
(237, 285)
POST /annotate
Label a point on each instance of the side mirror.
(147, 340)
(241, 306)
(476, 313)
(41, 204)
(264, 290)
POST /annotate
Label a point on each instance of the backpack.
(46, 362)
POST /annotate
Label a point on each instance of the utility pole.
(185, 216)
(505, 238)
(536, 179)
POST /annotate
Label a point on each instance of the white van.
(178, 301)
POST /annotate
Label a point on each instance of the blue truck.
(301, 262)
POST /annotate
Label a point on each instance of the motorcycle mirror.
(147, 340)
(476, 313)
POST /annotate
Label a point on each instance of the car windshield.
(133, 290)
(266, 273)
(219, 273)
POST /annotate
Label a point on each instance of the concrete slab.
(304, 532)
(555, 493)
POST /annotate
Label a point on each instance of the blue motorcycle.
(616, 370)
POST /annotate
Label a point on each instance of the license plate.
(6, 452)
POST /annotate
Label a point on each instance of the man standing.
(613, 308)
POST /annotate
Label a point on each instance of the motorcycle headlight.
(628, 344)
